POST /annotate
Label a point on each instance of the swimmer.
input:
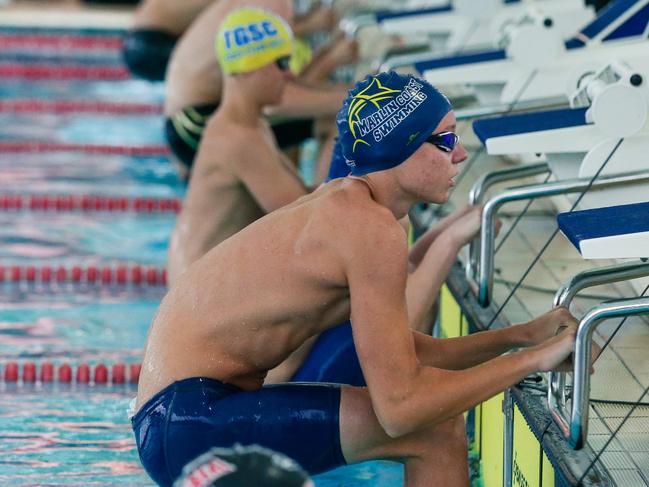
(157, 26)
(240, 172)
(195, 81)
(340, 251)
(242, 175)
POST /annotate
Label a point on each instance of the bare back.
(194, 77)
(221, 198)
(251, 301)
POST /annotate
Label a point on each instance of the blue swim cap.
(338, 167)
(386, 118)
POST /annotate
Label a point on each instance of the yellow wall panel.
(527, 454)
(450, 315)
(491, 449)
(548, 473)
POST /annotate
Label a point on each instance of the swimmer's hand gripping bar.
(564, 297)
(574, 424)
(489, 213)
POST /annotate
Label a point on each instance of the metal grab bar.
(564, 297)
(477, 193)
(488, 229)
(595, 277)
(574, 425)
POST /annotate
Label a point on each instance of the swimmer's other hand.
(546, 326)
(555, 354)
(465, 228)
(343, 51)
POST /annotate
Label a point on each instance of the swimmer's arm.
(407, 395)
(303, 101)
(271, 180)
(340, 52)
(425, 281)
(439, 249)
(318, 19)
(420, 247)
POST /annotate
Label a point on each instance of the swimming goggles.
(445, 141)
(283, 63)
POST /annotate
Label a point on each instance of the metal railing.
(574, 423)
(476, 196)
(488, 229)
(592, 277)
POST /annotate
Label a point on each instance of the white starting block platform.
(469, 25)
(611, 232)
(538, 64)
(606, 133)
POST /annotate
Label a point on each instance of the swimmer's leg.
(432, 456)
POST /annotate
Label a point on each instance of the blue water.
(120, 130)
(79, 435)
(132, 91)
(50, 238)
(73, 173)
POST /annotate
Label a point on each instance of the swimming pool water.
(117, 130)
(73, 435)
(47, 238)
(97, 174)
(127, 91)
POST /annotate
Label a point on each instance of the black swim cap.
(243, 466)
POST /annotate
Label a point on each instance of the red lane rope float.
(55, 71)
(121, 275)
(47, 372)
(78, 106)
(34, 146)
(88, 203)
(12, 41)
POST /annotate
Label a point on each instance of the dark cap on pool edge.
(241, 466)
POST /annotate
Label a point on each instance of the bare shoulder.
(362, 228)
(231, 142)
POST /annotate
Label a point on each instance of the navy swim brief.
(146, 52)
(332, 359)
(191, 416)
(184, 130)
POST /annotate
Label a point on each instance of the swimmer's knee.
(449, 435)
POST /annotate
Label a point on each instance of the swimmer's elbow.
(397, 415)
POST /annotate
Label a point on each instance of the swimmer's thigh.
(299, 420)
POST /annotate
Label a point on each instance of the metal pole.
(488, 230)
(476, 195)
(508, 439)
(595, 277)
(574, 425)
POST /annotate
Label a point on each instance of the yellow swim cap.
(251, 38)
(302, 55)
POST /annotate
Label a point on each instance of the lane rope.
(88, 203)
(63, 42)
(23, 146)
(29, 372)
(107, 275)
(69, 71)
(78, 106)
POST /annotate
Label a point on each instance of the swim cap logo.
(206, 474)
(255, 32)
(396, 107)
